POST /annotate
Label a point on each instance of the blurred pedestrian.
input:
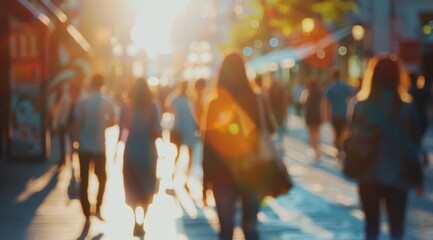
(200, 99)
(92, 115)
(338, 95)
(231, 118)
(279, 97)
(314, 113)
(185, 127)
(298, 101)
(142, 123)
(421, 96)
(60, 111)
(384, 101)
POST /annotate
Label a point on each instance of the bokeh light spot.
(234, 128)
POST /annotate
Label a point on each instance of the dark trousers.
(99, 160)
(226, 196)
(338, 124)
(371, 195)
(62, 134)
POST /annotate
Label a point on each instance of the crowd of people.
(223, 118)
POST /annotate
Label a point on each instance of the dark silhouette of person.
(230, 119)
(314, 113)
(142, 122)
(384, 101)
(279, 97)
(421, 98)
(338, 95)
(93, 113)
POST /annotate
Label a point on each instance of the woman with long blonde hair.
(384, 101)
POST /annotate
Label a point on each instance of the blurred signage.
(26, 78)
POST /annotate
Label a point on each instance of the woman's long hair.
(141, 97)
(233, 80)
(385, 72)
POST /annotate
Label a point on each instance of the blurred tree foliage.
(283, 17)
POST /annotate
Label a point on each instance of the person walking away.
(384, 101)
(338, 95)
(298, 89)
(142, 123)
(60, 114)
(200, 99)
(185, 127)
(93, 114)
(314, 113)
(421, 97)
(230, 119)
(279, 98)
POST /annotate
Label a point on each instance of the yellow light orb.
(234, 128)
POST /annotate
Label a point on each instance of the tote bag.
(262, 170)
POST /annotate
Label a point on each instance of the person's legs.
(100, 163)
(225, 199)
(139, 215)
(369, 194)
(314, 139)
(84, 175)
(250, 208)
(338, 124)
(189, 166)
(396, 200)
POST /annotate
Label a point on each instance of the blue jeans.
(226, 197)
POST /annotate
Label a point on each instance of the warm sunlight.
(153, 23)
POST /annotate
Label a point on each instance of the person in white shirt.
(93, 114)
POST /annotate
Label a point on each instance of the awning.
(62, 24)
(298, 53)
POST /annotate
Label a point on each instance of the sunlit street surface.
(160, 222)
(322, 205)
(52, 50)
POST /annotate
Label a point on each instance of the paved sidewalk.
(34, 203)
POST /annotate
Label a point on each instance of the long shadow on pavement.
(23, 188)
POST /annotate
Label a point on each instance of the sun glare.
(153, 24)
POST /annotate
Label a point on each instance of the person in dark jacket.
(384, 102)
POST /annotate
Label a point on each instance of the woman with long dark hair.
(230, 129)
(385, 102)
(142, 124)
(314, 113)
